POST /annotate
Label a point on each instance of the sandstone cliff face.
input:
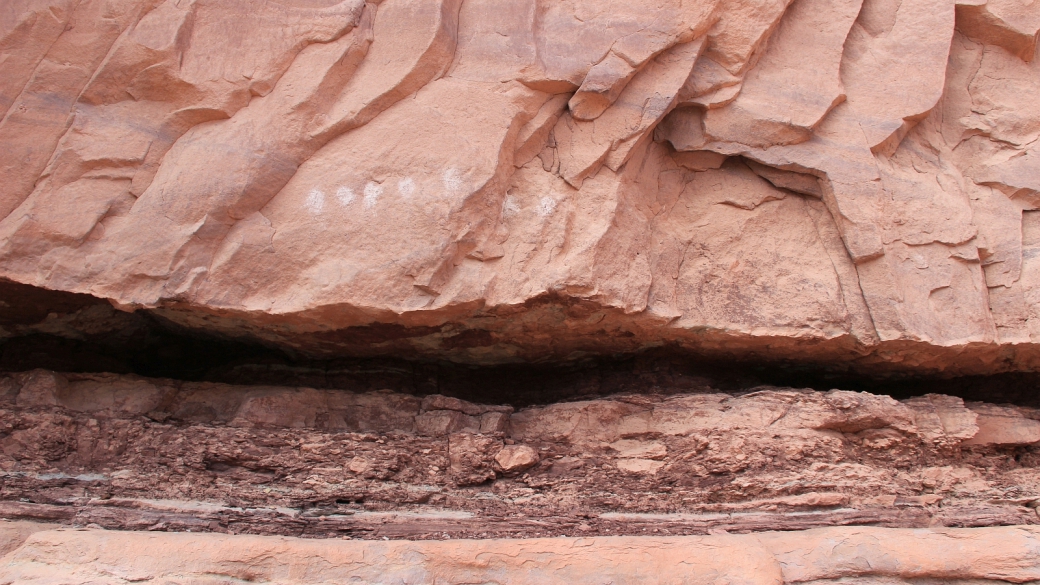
(853, 184)
(499, 180)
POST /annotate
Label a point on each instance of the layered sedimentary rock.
(491, 180)
(124, 452)
(350, 229)
(993, 555)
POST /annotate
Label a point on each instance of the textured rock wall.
(123, 452)
(850, 183)
(495, 180)
(863, 555)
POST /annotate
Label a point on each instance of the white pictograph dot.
(546, 206)
(315, 201)
(372, 193)
(510, 206)
(345, 195)
(452, 181)
(406, 187)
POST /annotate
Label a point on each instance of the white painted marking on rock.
(452, 180)
(546, 206)
(406, 187)
(510, 206)
(345, 195)
(372, 193)
(315, 201)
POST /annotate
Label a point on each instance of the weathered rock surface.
(851, 183)
(981, 555)
(124, 452)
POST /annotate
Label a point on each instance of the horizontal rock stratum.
(132, 453)
(519, 291)
(842, 181)
(857, 555)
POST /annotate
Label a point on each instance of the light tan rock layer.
(998, 555)
(805, 179)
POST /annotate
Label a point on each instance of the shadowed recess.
(80, 333)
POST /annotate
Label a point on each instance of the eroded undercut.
(154, 426)
(720, 292)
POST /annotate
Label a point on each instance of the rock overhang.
(484, 183)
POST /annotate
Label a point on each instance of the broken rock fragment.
(516, 458)
(472, 457)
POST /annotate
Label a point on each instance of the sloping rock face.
(842, 182)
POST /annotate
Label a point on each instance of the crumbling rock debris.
(979, 555)
(125, 452)
(472, 457)
(850, 183)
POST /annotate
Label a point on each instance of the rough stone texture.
(124, 452)
(872, 555)
(852, 183)
(848, 184)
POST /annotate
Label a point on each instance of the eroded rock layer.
(124, 452)
(850, 181)
(987, 555)
(438, 231)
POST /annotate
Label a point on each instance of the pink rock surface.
(130, 453)
(998, 555)
(839, 182)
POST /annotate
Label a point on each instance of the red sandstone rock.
(999, 555)
(291, 461)
(472, 457)
(854, 183)
(1004, 426)
(444, 165)
(514, 458)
